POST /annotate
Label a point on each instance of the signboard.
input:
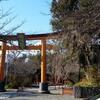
(21, 40)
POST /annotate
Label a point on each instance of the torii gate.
(43, 87)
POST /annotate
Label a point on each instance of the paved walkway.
(31, 94)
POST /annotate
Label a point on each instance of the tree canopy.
(78, 20)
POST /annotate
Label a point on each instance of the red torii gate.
(43, 37)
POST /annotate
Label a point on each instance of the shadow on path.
(17, 94)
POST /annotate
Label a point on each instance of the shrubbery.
(19, 81)
(91, 78)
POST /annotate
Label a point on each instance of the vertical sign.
(21, 40)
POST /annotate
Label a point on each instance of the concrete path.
(32, 94)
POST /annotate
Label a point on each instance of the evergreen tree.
(79, 21)
(60, 9)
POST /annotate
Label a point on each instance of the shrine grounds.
(33, 94)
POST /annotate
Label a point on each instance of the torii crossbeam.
(43, 37)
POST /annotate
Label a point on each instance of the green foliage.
(21, 72)
(10, 86)
(91, 78)
(79, 10)
(86, 83)
(27, 82)
(91, 73)
(69, 84)
(79, 26)
(86, 4)
(60, 9)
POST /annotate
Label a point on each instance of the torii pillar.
(2, 67)
(43, 88)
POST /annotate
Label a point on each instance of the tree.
(22, 69)
(61, 9)
(6, 19)
(78, 20)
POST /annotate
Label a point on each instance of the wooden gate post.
(2, 67)
(43, 88)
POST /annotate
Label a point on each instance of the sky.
(35, 14)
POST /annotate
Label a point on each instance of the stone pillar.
(2, 65)
(43, 88)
